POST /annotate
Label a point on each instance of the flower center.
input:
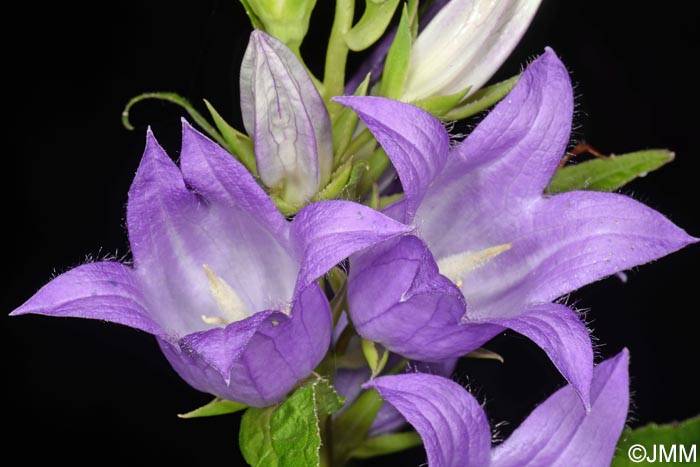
(230, 305)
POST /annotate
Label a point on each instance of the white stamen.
(231, 306)
(456, 266)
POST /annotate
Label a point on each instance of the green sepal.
(484, 354)
(287, 20)
(344, 126)
(386, 444)
(608, 174)
(385, 201)
(254, 20)
(375, 354)
(350, 428)
(481, 99)
(217, 406)
(686, 434)
(287, 434)
(339, 182)
(287, 209)
(378, 163)
(396, 63)
(374, 21)
(439, 106)
(177, 100)
(238, 144)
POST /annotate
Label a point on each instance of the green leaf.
(217, 406)
(287, 434)
(441, 105)
(482, 99)
(351, 427)
(328, 401)
(396, 63)
(686, 434)
(177, 100)
(238, 144)
(386, 444)
(610, 173)
(344, 126)
(372, 25)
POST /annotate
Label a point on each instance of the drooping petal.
(565, 339)
(257, 361)
(287, 118)
(414, 140)
(561, 433)
(465, 44)
(326, 232)
(107, 291)
(397, 297)
(183, 240)
(452, 424)
(389, 419)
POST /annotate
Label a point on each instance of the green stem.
(337, 54)
(378, 163)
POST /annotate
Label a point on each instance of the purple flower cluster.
(228, 285)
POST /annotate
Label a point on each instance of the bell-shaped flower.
(220, 277)
(287, 119)
(558, 433)
(492, 251)
(464, 45)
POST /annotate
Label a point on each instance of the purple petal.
(107, 291)
(326, 232)
(397, 297)
(177, 235)
(565, 339)
(450, 421)
(562, 243)
(257, 361)
(287, 118)
(212, 172)
(560, 432)
(415, 141)
(389, 419)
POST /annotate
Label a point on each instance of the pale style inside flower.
(230, 305)
(456, 266)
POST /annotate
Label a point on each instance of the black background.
(90, 392)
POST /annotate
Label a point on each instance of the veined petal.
(450, 421)
(509, 158)
(397, 297)
(287, 118)
(414, 140)
(257, 361)
(212, 172)
(564, 242)
(465, 44)
(107, 291)
(565, 339)
(181, 240)
(326, 232)
(560, 432)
